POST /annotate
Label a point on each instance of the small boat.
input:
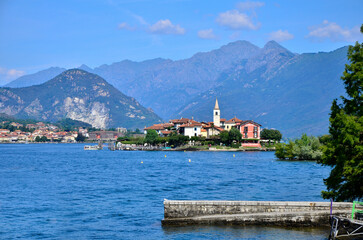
(92, 147)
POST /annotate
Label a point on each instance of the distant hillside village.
(44, 132)
(249, 129)
(38, 132)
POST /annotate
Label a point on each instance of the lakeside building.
(249, 129)
(163, 129)
(105, 135)
(191, 129)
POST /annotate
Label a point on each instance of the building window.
(255, 129)
(195, 129)
(255, 134)
(246, 129)
(246, 135)
(216, 113)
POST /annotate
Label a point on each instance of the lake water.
(60, 191)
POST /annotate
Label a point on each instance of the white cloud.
(8, 75)
(248, 5)
(166, 27)
(280, 36)
(125, 26)
(207, 34)
(236, 20)
(333, 32)
(140, 19)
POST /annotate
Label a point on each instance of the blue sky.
(37, 34)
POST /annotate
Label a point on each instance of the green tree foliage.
(305, 148)
(41, 139)
(224, 137)
(177, 140)
(151, 137)
(271, 134)
(234, 135)
(80, 137)
(344, 151)
(285, 151)
(231, 136)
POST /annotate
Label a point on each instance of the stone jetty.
(278, 213)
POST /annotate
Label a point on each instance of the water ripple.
(61, 191)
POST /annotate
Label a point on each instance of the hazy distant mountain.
(166, 85)
(272, 85)
(36, 78)
(292, 93)
(78, 95)
(85, 68)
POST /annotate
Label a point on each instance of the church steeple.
(216, 107)
(216, 115)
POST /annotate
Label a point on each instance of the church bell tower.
(216, 115)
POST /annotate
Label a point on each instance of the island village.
(249, 129)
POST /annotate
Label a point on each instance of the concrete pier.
(278, 213)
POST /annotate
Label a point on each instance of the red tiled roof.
(160, 126)
(223, 120)
(215, 127)
(234, 120)
(219, 129)
(249, 121)
(181, 120)
(192, 124)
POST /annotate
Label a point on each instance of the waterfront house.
(191, 129)
(161, 128)
(250, 131)
(5, 138)
(104, 135)
(203, 133)
(231, 123)
(178, 122)
(68, 139)
(222, 123)
(4, 131)
(212, 130)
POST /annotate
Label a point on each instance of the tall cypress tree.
(345, 150)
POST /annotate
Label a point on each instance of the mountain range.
(293, 96)
(78, 95)
(271, 85)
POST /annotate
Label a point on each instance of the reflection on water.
(244, 232)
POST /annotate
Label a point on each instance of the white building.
(192, 129)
